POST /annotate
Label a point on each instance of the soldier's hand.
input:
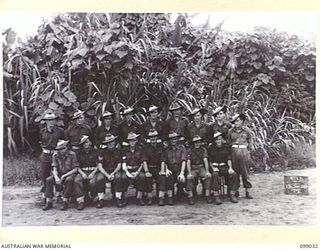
(84, 176)
(111, 177)
(90, 176)
(168, 173)
(215, 169)
(230, 171)
(162, 173)
(148, 174)
(134, 175)
(58, 181)
(181, 178)
(208, 175)
(129, 175)
(189, 176)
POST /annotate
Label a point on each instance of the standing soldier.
(177, 123)
(220, 161)
(136, 167)
(220, 124)
(153, 151)
(49, 137)
(198, 168)
(240, 140)
(76, 130)
(152, 123)
(85, 179)
(197, 126)
(65, 164)
(110, 171)
(174, 166)
(128, 124)
(107, 127)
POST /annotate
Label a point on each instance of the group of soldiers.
(174, 154)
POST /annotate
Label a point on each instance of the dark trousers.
(241, 164)
(46, 161)
(167, 183)
(140, 182)
(67, 186)
(197, 174)
(232, 180)
(82, 186)
(149, 181)
(119, 183)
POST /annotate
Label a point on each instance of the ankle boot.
(248, 196)
(217, 200)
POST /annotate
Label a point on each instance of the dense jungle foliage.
(100, 61)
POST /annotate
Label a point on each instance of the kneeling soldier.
(173, 166)
(85, 180)
(153, 151)
(198, 167)
(110, 170)
(220, 159)
(134, 160)
(65, 165)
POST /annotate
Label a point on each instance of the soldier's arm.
(101, 169)
(188, 167)
(73, 171)
(81, 172)
(118, 168)
(55, 174)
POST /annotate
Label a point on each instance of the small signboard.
(297, 185)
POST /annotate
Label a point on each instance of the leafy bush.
(97, 61)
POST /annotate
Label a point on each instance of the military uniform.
(179, 126)
(239, 139)
(202, 130)
(218, 157)
(153, 156)
(125, 128)
(198, 170)
(88, 160)
(48, 143)
(74, 133)
(64, 164)
(110, 158)
(133, 162)
(102, 131)
(222, 128)
(148, 126)
(173, 157)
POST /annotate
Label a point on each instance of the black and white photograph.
(177, 118)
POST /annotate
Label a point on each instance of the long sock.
(100, 196)
(80, 199)
(139, 195)
(215, 193)
(149, 195)
(161, 194)
(190, 194)
(207, 192)
(49, 200)
(118, 195)
(170, 193)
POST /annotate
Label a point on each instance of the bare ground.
(270, 206)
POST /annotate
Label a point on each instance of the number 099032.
(309, 246)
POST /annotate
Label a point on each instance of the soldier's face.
(197, 117)
(107, 121)
(197, 144)
(80, 119)
(238, 122)
(132, 143)
(111, 144)
(154, 114)
(177, 112)
(87, 144)
(63, 151)
(174, 141)
(219, 141)
(50, 123)
(153, 140)
(220, 116)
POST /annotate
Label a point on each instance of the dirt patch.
(270, 206)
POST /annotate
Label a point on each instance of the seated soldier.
(153, 151)
(173, 166)
(220, 160)
(86, 177)
(135, 166)
(65, 165)
(110, 171)
(198, 167)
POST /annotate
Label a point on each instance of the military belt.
(88, 168)
(239, 146)
(218, 164)
(132, 167)
(47, 151)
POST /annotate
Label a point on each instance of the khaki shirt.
(65, 163)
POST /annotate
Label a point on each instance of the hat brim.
(223, 109)
(77, 116)
(241, 116)
(62, 146)
(133, 138)
(111, 140)
(103, 117)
